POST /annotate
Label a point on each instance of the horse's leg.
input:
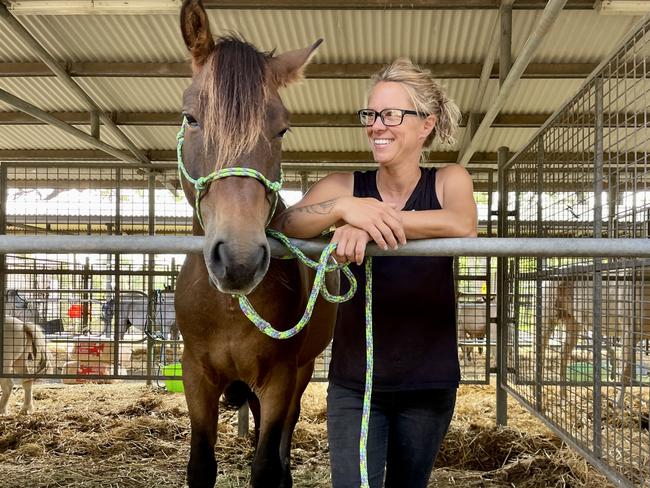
(202, 396)
(254, 405)
(302, 380)
(7, 385)
(275, 399)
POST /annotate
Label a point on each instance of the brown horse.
(235, 118)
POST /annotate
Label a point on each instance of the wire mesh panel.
(578, 330)
(476, 317)
(103, 316)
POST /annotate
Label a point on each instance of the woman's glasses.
(389, 116)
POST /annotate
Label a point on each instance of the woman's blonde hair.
(427, 95)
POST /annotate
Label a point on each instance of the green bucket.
(174, 369)
(584, 372)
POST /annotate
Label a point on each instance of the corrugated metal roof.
(311, 96)
(11, 48)
(46, 93)
(136, 94)
(37, 137)
(512, 138)
(368, 36)
(362, 36)
(576, 36)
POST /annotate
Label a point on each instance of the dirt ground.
(131, 435)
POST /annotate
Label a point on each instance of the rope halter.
(202, 183)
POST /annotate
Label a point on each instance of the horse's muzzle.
(237, 268)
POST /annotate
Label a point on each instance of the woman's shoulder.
(334, 184)
(452, 173)
(338, 179)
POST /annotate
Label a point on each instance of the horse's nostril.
(219, 258)
(263, 253)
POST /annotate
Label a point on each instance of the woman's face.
(399, 143)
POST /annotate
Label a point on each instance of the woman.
(416, 357)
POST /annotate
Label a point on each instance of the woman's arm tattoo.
(321, 208)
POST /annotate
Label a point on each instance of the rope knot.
(202, 183)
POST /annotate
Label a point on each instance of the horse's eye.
(191, 121)
(283, 132)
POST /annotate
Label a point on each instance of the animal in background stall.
(625, 317)
(472, 320)
(24, 352)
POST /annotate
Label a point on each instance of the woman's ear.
(429, 125)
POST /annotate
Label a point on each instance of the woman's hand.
(380, 220)
(351, 243)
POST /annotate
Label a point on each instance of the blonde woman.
(415, 351)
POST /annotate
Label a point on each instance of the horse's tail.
(236, 394)
(39, 347)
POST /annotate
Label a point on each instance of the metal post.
(85, 300)
(150, 283)
(502, 295)
(598, 278)
(94, 124)
(539, 323)
(304, 182)
(505, 50)
(3, 230)
(116, 268)
(173, 274)
(488, 282)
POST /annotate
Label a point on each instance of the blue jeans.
(405, 433)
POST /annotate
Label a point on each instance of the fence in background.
(578, 329)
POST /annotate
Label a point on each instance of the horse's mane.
(233, 98)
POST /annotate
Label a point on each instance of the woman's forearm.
(425, 224)
(307, 221)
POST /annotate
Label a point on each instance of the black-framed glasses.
(389, 116)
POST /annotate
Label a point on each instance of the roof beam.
(25, 36)
(46, 118)
(502, 121)
(173, 119)
(547, 19)
(120, 7)
(313, 71)
(479, 95)
(288, 157)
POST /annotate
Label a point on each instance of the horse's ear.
(196, 31)
(288, 67)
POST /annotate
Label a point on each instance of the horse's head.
(233, 118)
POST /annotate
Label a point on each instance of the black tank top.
(414, 313)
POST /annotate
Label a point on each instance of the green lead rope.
(322, 266)
(367, 392)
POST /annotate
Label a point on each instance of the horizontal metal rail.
(482, 246)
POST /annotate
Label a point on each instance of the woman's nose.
(379, 121)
